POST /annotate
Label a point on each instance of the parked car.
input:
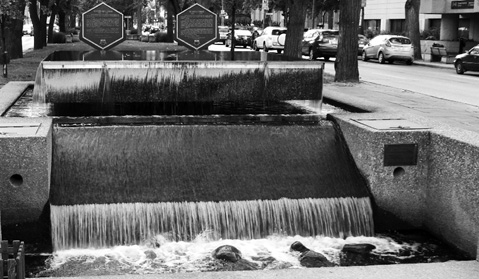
(241, 38)
(223, 32)
(468, 61)
(389, 48)
(28, 29)
(362, 41)
(272, 37)
(320, 43)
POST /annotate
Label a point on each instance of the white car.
(389, 48)
(272, 37)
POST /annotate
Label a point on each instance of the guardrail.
(12, 263)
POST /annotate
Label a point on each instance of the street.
(438, 82)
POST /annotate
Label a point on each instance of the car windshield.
(330, 33)
(278, 32)
(400, 41)
(242, 33)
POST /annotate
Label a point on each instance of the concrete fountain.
(135, 144)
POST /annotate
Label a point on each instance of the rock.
(309, 258)
(150, 255)
(360, 254)
(358, 248)
(227, 253)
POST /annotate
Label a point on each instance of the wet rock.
(361, 254)
(150, 255)
(358, 248)
(309, 258)
(239, 265)
(227, 253)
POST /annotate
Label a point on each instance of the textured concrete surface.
(26, 148)
(447, 270)
(440, 192)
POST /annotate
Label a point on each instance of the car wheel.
(381, 58)
(265, 48)
(459, 67)
(311, 55)
(409, 62)
(279, 50)
(365, 58)
(326, 58)
(255, 46)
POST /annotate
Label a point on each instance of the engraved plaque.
(400, 154)
(196, 27)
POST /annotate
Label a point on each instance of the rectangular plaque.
(466, 4)
(400, 154)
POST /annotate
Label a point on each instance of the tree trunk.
(51, 24)
(412, 26)
(11, 33)
(294, 34)
(39, 21)
(346, 64)
(62, 21)
(233, 22)
(169, 22)
(139, 17)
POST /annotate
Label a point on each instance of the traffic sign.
(102, 27)
(196, 27)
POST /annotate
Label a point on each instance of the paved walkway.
(432, 111)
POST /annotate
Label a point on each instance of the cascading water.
(106, 225)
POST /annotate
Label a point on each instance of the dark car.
(362, 41)
(468, 61)
(320, 43)
(241, 38)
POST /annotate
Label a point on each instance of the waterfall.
(106, 225)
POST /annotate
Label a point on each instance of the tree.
(412, 25)
(295, 24)
(346, 63)
(38, 15)
(11, 27)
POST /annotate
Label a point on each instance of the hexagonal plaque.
(196, 27)
(102, 27)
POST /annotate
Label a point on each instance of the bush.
(161, 37)
(430, 34)
(59, 38)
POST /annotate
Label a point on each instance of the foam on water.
(196, 255)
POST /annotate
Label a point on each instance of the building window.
(372, 24)
(397, 26)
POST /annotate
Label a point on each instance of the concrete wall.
(26, 148)
(439, 194)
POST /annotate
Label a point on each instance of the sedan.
(320, 43)
(241, 38)
(389, 48)
(468, 61)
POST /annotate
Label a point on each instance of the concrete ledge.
(26, 148)
(10, 92)
(447, 270)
